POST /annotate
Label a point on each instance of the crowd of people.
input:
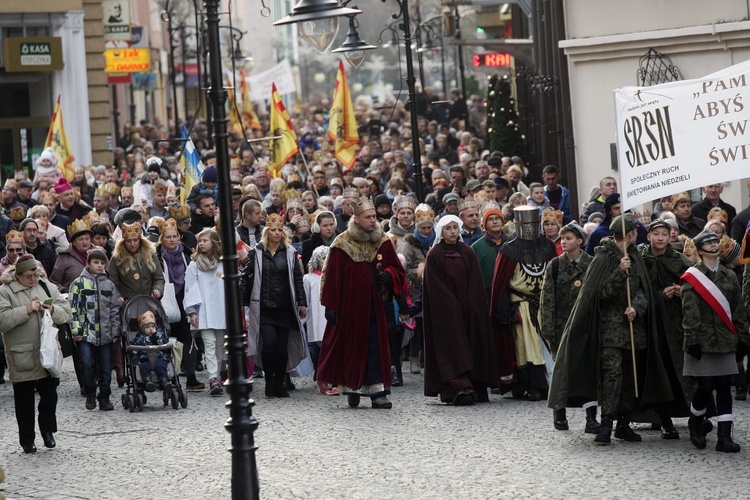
(486, 282)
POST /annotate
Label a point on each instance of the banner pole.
(630, 323)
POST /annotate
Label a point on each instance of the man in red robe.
(359, 274)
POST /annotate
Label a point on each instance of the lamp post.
(241, 424)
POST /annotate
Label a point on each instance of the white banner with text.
(682, 135)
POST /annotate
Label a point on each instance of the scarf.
(206, 264)
(175, 263)
(425, 241)
(82, 255)
(497, 241)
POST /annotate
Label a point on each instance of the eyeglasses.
(28, 276)
(15, 250)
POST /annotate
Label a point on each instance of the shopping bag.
(49, 351)
(169, 301)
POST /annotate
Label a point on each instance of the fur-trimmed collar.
(358, 244)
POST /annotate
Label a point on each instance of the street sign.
(116, 19)
(491, 59)
(32, 54)
(130, 60)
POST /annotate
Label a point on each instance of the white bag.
(169, 301)
(49, 351)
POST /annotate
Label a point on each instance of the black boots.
(560, 419)
(269, 370)
(90, 401)
(668, 430)
(623, 430)
(49, 440)
(697, 434)
(605, 433)
(592, 426)
(725, 442)
(280, 375)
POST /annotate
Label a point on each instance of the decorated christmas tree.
(503, 133)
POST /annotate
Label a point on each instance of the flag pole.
(630, 323)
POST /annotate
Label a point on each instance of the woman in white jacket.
(204, 302)
(315, 322)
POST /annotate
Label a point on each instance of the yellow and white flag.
(283, 149)
(58, 141)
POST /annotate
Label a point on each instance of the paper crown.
(146, 318)
(717, 213)
(423, 213)
(112, 188)
(481, 197)
(17, 213)
(291, 194)
(11, 184)
(490, 205)
(728, 249)
(179, 212)
(131, 230)
(46, 197)
(351, 192)
(78, 226)
(690, 247)
(91, 218)
(102, 192)
(168, 225)
(126, 191)
(171, 191)
(14, 236)
(363, 205)
(555, 216)
(160, 188)
(295, 203)
(466, 204)
(404, 202)
(274, 220)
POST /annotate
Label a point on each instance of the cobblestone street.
(313, 446)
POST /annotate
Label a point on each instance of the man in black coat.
(711, 199)
(43, 252)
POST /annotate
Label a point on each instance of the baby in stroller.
(151, 335)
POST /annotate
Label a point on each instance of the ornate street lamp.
(241, 424)
(354, 47)
(317, 21)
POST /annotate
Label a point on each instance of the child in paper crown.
(150, 335)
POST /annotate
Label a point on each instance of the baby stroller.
(135, 396)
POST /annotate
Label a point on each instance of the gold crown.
(718, 213)
(131, 230)
(91, 218)
(311, 217)
(726, 245)
(274, 220)
(690, 247)
(403, 202)
(171, 191)
(112, 188)
(102, 192)
(179, 212)
(363, 205)
(351, 192)
(14, 236)
(291, 194)
(160, 188)
(17, 213)
(126, 191)
(423, 213)
(12, 184)
(146, 318)
(78, 226)
(294, 204)
(46, 197)
(481, 197)
(466, 204)
(555, 216)
(168, 225)
(490, 205)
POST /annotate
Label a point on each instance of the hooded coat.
(576, 379)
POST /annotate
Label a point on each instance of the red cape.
(351, 292)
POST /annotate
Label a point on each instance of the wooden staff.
(630, 323)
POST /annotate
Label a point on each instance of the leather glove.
(695, 351)
(384, 278)
(331, 316)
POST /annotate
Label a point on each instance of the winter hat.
(47, 154)
(210, 174)
(153, 164)
(382, 199)
(25, 263)
(26, 222)
(611, 200)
